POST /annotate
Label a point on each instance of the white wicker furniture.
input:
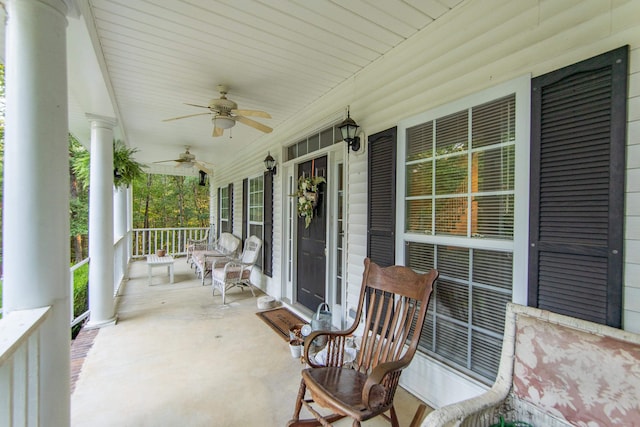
(237, 272)
(193, 244)
(206, 257)
(556, 371)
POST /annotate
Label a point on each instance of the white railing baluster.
(19, 366)
(33, 366)
(147, 241)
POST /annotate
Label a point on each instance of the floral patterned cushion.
(586, 379)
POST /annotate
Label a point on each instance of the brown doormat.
(280, 320)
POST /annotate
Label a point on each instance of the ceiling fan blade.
(165, 161)
(217, 131)
(184, 117)
(203, 167)
(196, 105)
(253, 124)
(253, 113)
(184, 164)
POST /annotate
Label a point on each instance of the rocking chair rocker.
(396, 299)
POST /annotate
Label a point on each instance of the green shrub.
(80, 294)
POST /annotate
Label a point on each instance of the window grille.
(459, 188)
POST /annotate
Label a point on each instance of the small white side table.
(156, 261)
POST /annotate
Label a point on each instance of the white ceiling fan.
(225, 114)
(188, 160)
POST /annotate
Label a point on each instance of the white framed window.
(225, 209)
(463, 184)
(255, 205)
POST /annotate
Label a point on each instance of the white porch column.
(36, 189)
(120, 206)
(101, 302)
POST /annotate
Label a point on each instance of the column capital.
(101, 121)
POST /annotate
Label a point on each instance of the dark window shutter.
(578, 134)
(381, 196)
(245, 209)
(267, 244)
(220, 230)
(230, 223)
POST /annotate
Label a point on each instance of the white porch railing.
(120, 262)
(144, 241)
(147, 241)
(19, 366)
(20, 329)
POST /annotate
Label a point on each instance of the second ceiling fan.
(188, 160)
(225, 114)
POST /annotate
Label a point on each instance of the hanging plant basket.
(307, 196)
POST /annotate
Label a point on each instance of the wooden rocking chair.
(396, 299)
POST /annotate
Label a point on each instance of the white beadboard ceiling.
(141, 60)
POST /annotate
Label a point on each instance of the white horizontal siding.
(441, 64)
(631, 296)
(250, 163)
(357, 221)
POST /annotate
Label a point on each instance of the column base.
(102, 323)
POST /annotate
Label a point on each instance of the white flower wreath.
(307, 196)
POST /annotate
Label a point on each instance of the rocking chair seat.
(341, 390)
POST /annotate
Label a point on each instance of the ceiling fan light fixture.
(223, 122)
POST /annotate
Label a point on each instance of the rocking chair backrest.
(396, 300)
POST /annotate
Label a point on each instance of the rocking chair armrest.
(373, 392)
(308, 344)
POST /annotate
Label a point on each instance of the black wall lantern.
(270, 164)
(203, 178)
(348, 128)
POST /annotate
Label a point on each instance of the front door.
(311, 247)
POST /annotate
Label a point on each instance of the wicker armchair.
(229, 273)
(207, 257)
(195, 244)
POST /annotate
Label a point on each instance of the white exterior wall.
(479, 44)
(631, 296)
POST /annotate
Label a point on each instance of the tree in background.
(78, 204)
(161, 201)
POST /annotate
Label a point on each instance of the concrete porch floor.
(177, 358)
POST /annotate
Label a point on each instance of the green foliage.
(80, 294)
(169, 201)
(80, 290)
(79, 200)
(79, 215)
(125, 168)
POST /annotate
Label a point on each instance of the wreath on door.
(307, 197)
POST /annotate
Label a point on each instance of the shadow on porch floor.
(177, 358)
